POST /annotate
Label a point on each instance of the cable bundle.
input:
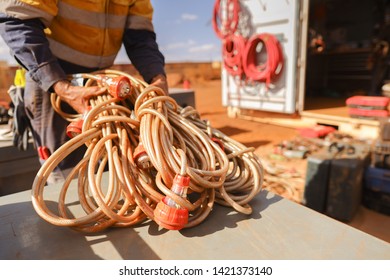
(271, 68)
(163, 162)
(225, 17)
(233, 47)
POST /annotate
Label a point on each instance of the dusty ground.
(264, 137)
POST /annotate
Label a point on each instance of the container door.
(280, 87)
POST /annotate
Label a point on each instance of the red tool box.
(368, 102)
(316, 131)
(367, 113)
(368, 107)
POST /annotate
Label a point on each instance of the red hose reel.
(241, 58)
(225, 17)
(232, 49)
(272, 67)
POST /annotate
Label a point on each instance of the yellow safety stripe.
(96, 6)
(118, 7)
(87, 38)
(80, 58)
(140, 15)
(139, 22)
(83, 17)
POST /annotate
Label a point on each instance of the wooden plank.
(352, 126)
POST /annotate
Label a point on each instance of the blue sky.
(184, 32)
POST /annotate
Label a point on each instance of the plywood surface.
(277, 229)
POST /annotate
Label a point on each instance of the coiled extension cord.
(176, 141)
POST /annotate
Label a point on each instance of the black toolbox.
(317, 177)
(334, 179)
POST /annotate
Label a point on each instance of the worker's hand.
(161, 82)
(76, 96)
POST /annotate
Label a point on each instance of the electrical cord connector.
(117, 87)
(170, 214)
(74, 128)
(141, 158)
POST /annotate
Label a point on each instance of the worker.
(52, 39)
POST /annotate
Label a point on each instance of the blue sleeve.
(30, 47)
(142, 50)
